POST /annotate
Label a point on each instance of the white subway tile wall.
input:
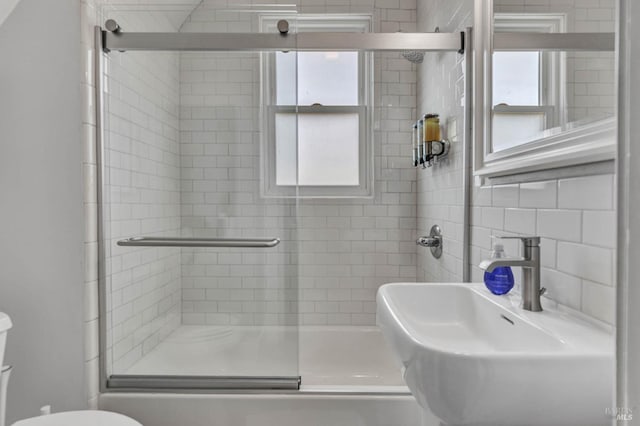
(575, 217)
(578, 244)
(220, 187)
(441, 90)
(210, 167)
(340, 250)
(142, 191)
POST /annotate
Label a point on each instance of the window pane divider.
(521, 109)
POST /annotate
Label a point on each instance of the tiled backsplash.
(575, 218)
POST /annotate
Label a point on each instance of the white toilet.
(68, 418)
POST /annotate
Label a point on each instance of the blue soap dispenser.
(500, 280)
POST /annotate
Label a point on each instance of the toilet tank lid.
(80, 418)
(5, 322)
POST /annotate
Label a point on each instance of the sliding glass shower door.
(200, 261)
(214, 144)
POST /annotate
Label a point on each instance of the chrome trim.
(434, 241)
(467, 157)
(627, 315)
(112, 25)
(260, 42)
(590, 42)
(428, 241)
(199, 383)
(98, 70)
(199, 242)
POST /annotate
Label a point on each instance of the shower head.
(413, 56)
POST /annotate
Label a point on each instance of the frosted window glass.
(516, 78)
(327, 78)
(511, 129)
(286, 163)
(329, 149)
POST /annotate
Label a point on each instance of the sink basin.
(473, 358)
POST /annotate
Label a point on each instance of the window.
(527, 98)
(316, 116)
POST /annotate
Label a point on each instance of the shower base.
(329, 359)
(349, 378)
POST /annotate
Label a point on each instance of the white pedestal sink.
(473, 358)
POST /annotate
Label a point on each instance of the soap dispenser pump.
(500, 280)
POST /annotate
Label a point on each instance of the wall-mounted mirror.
(545, 84)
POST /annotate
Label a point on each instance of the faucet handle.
(530, 241)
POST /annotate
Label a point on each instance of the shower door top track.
(321, 41)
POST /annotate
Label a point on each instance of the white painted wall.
(41, 237)
(6, 7)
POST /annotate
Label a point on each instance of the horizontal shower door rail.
(199, 242)
(260, 42)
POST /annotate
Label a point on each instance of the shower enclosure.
(255, 188)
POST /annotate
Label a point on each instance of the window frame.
(364, 109)
(552, 70)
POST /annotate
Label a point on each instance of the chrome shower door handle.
(199, 242)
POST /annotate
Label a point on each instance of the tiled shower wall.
(347, 247)
(220, 164)
(143, 184)
(142, 192)
(574, 216)
(441, 90)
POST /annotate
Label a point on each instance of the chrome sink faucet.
(530, 264)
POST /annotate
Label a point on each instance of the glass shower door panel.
(202, 288)
(247, 296)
